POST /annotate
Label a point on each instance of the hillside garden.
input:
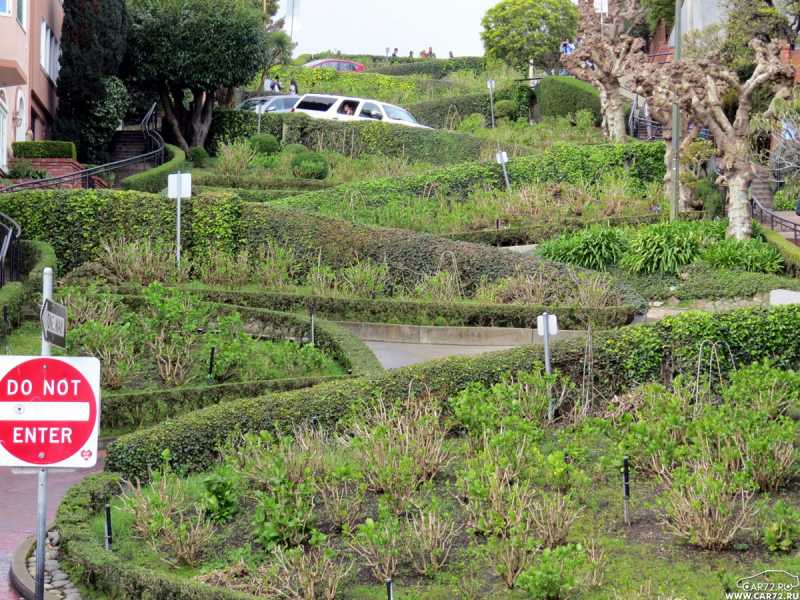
(291, 465)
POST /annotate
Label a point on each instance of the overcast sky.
(369, 26)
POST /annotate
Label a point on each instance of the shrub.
(554, 573)
(235, 157)
(594, 248)
(23, 169)
(751, 255)
(437, 69)
(295, 148)
(559, 96)
(142, 261)
(782, 533)
(506, 109)
(265, 143)
(309, 165)
(789, 251)
(154, 180)
(198, 157)
(663, 247)
(44, 149)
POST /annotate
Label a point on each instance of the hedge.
(789, 251)
(642, 161)
(558, 96)
(107, 572)
(352, 138)
(254, 194)
(622, 359)
(535, 234)
(35, 257)
(213, 179)
(414, 312)
(76, 222)
(435, 68)
(44, 149)
(155, 179)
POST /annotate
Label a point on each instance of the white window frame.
(7, 12)
(24, 22)
(3, 137)
(50, 52)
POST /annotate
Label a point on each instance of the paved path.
(394, 355)
(18, 512)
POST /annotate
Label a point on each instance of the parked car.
(335, 63)
(345, 108)
(269, 104)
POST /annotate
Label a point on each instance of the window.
(371, 110)
(319, 103)
(22, 13)
(5, 8)
(50, 51)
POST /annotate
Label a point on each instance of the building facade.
(30, 31)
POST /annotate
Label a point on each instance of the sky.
(369, 26)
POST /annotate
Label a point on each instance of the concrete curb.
(452, 336)
(20, 578)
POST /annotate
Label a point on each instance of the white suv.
(344, 108)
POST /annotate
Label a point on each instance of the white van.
(345, 108)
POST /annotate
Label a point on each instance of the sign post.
(547, 324)
(490, 85)
(502, 159)
(49, 413)
(179, 185)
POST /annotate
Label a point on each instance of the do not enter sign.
(49, 411)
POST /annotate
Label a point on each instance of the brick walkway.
(18, 512)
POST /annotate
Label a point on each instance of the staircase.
(763, 191)
(128, 144)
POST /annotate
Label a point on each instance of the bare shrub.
(274, 267)
(706, 506)
(594, 291)
(379, 544)
(551, 518)
(84, 305)
(509, 556)
(142, 261)
(222, 269)
(442, 286)
(429, 539)
(233, 158)
(342, 499)
(303, 574)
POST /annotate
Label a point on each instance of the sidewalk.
(18, 512)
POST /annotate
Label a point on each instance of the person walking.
(451, 54)
(277, 85)
(430, 52)
(394, 54)
(411, 54)
(293, 89)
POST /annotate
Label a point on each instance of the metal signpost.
(502, 159)
(179, 185)
(545, 325)
(490, 85)
(49, 413)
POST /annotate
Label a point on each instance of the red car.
(335, 63)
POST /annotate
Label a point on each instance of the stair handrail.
(86, 176)
(10, 242)
(758, 212)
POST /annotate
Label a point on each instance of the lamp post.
(490, 85)
(676, 124)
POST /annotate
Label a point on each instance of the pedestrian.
(411, 54)
(430, 52)
(567, 47)
(394, 54)
(293, 89)
(423, 54)
(277, 86)
(451, 54)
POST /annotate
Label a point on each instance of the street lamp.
(490, 85)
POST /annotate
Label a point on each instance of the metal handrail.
(11, 236)
(87, 177)
(757, 211)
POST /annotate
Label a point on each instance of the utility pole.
(676, 124)
(291, 28)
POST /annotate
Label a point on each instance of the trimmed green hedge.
(446, 112)
(254, 194)
(436, 68)
(622, 359)
(520, 236)
(413, 312)
(351, 138)
(35, 257)
(789, 251)
(88, 562)
(212, 179)
(643, 162)
(155, 179)
(44, 149)
(558, 96)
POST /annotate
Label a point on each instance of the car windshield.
(316, 103)
(398, 114)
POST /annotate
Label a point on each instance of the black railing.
(10, 233)
(766, 216)
(103, 176)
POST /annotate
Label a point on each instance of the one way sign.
(54, 323)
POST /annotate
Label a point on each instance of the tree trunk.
(170, 117)
(617, 128)
(740, 227)
(200, 118)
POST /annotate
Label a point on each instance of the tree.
(194, 46)
(92, 47)
(655, 10)
(279, 51)
(699, 89)
(602, 59)
(516, 31)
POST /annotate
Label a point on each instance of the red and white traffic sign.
(49, 411)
